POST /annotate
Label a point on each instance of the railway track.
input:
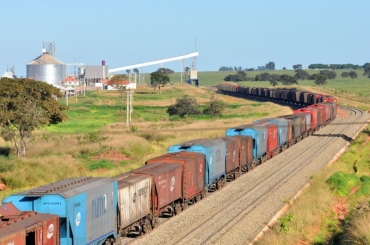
(237, 213)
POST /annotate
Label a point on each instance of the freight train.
(100, 210)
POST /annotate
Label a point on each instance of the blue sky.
(228, 33)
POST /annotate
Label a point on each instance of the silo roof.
(45, 59)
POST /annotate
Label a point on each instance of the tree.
(184, 106)
(240, 76)
(26, 105)
(288, 79)
(258, 78)
(297, 66)
(136, 70)
(117, 82)
(366, 65)
(165, 70)
(345, 74)
(301, 74)
(187, 69)
(159, 79)
(320, 79)
(367, 71)
(215, 108)
(270, 66)
(128, 71)
(329, 74)
(284, 68)
(353, 74)
(274, 79)
(265, 76)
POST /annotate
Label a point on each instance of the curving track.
(237, 213)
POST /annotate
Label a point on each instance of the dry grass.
(357, 232)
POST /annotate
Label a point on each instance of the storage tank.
(47, 68)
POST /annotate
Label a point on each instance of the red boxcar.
(20, 228)
(326, 113)
(232, 161)
(193, 167)
(167, 180)
(272, 138)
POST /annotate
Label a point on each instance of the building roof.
(45, 59)
(96, 72)
(70, 79)
(122, 82)
(8, 74)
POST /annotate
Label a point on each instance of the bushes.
(343, 183)
(6, 164)
(100, 165)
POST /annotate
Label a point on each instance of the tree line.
(285, 79)
(269, 66)
(338, 66)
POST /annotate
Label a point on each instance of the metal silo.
(47, 68)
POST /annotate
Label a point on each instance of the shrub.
(14, 182)
(342, 183)
(6, 164)
(100, 165)
(94, 137)
(365, 188)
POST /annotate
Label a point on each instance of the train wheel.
(146, 226)
(155, 222)
(198, 198)
(178, 209)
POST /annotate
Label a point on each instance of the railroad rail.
(237, 213)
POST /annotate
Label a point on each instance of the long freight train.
(100, 210)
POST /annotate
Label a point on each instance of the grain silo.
(47, 68)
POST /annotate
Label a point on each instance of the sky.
(225, 33)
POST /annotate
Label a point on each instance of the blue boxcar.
(282, 128)
(86, 207)
(257, 132)
(214, 151)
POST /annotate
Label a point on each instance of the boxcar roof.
(129, 179)
(14, 224)
(157, 168)
(68, 187)
(203, 142)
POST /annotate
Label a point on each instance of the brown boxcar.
(167, 186)
(193, 177)
(232, 160)
(29, 227)
(245, 153)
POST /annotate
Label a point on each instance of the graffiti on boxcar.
(172, 183)
(99, 206)
(50, 231)
(78, 219)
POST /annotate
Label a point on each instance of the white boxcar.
(134, 202)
